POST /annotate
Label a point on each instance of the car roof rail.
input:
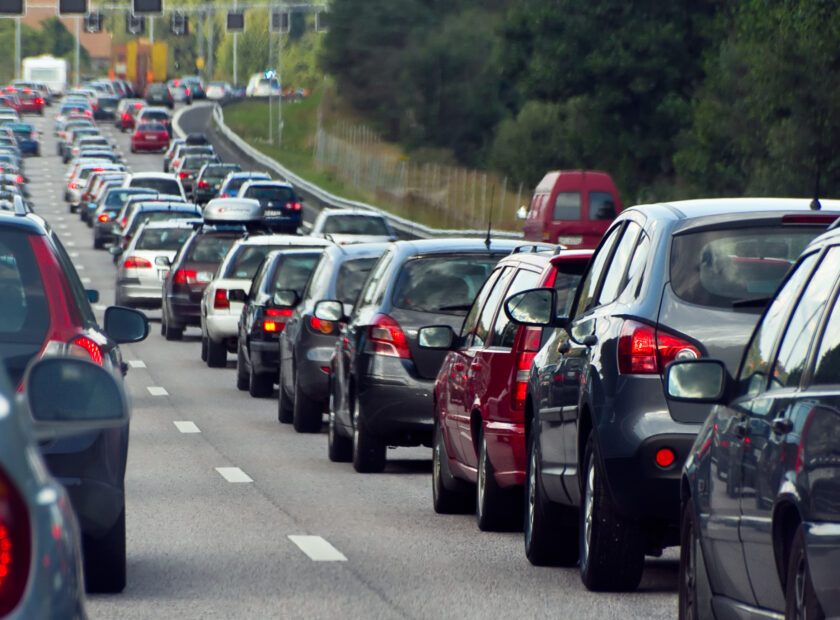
(532, 248)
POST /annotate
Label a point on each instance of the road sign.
(147, 7)
(11, 8)
(199, 63)
(72, 7)
(235, 21)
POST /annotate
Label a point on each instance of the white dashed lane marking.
(157, 391)
(137, 363)
(185, 426)
(234, 474)
(318, 549)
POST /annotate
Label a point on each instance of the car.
(123, 117)
(91, 190)
(283, 207)
(156, 181)
(381, 381)
(106, 106)
(108, 208)
(209, 181)
(79, 175)
(46, 312)
(480, 391)
(669, 281)
(149, 136)
(352, 226)
(196, 86)
(188, 167)
(259, 85)
(217, 91)
(174, 143)
(145, 263)
(42, 544)
(572, 207)
(91, 141)
(197, 139)
(184, 150)
(150, 210)
(192, 269)
(30, 101)
(759, 490)
(159, 94)
(222, 299)
(154, 115)
(306, 343)
(180, 92)
(28, 138)
(234, 181)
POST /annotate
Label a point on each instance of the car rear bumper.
(312, 380)
(183, 313)
(265, 356)
(221, 326)
(141, 294)
(150, 146)
(506, 451)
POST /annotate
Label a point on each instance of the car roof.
(165, 205)
(732, 207)
(173, 223)
(30, 222)
(350, 212)
(454, 245)
(291, 240)
(267, 182)
(152, 175)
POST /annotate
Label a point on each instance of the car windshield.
(275, 194)
(351, 276)
(158, 184)
(720, 268)
(155, 115)
(210, 248)
(442, 284)
(215, 174)
(247, 260)
(155, 216)
(194, 163)
(355, 225)
(168, 239)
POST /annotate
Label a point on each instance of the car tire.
(550, 530)
(800, 595)
(306, 415)
(203, 347)
(339, 447)
(612, 548)
(285, 406)
(171, 333)
(449, 494)
(695, 593)
(98, 244)
(259, 385)
(496, 509)
(104, 560)
(368, 451)
(242, 377)
(216, 353)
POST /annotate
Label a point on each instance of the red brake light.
(202, 184)
(103, 218)
(15, 545)
(19, 179)
(126, 116)
(665, 457)
(387, 338)
(323, 327)
(645, 350)
(90, 347)
(137, 262)
(529, 344)
(183, 174)
(276, 319)
(220, 300)
(73, 185)
(184, 276)
(294, 206)
(187, 90)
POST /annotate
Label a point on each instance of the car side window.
(596, 269)
(803, 325)
(752, 377)
(481, 335)
(618, 265)
(76, 287)
(827, 370)
(471, 320)
(504, 332)
(375, 279)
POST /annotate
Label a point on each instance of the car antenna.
(490, 218)
(815, 203)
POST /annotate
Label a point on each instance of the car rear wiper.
(753, 302)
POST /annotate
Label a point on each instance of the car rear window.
(293, 272)
(601, 206)
(153, 115)
(194, 163)
(442, 284)
(151, 127)
(269, 193)
(210, 248)
(351, 277)
(218, 173)
(247, 260)
(720, 268)
(156, 216)
(169, 239)
(24, 316)
(162, 186)
(566, 206)
(355, 225)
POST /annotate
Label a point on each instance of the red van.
(573, 208)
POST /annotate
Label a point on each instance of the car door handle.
(782, 426)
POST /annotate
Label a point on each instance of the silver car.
(345, 226)
(140, 274)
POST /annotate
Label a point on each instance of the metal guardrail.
(331, 200)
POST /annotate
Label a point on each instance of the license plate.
(151, 136)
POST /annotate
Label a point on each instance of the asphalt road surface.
(210, 542)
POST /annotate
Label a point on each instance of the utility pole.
(77, 52)
(235, 54)
(17, 48)
(152, 29)
(280, 81)
(210, 50)
(271, 83)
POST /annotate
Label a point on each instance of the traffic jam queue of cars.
(668, 378)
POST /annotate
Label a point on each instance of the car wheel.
(173, 333)
(368, 451)
(216, 353)
(612, 552)
(104, 559)
(339, 447)
(306, 415)
(496, 508)
(449, 495)
(550, 530)
(242, 377)
(694, 589)
(97, 244)
(259, 385)
(800, 597)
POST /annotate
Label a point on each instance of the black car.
(761, 486)
(382, 381)
(159, 94)
(106, 107)
(208, 182)
(307, 343)
(275, 291)
(668, 282)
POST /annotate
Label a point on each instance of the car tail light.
(529, 345)
(85, 348)
(275, 319)
(39, 101)
(123, 222)
(823, 219)
(665, 458)
(645, 350)
(220, 300)
(387, 338)
(73, 185)
(88, 113)
(293, 206)
(185, 276)
(15, 545)
(183, 174)
(19, 179)
(202, 184)
(321, 326)
(103, 218)
(174, 163)
(137, 262)
(187, 90)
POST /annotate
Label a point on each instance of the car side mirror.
(163, 261)
(440, 337)
(115, 250)
(329, 310)
(534, 307)
(699, 381)
(237, 295)
(68, 396)
(125, 325)
(286, 298)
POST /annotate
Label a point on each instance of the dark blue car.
(27, 137)
(283, 207)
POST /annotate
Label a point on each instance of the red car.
(479, 396)
(126, 112)
(30, 101)
(150, 137)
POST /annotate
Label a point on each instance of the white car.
(345, 226)
(261, 86)
(78, 179)
(218, 90)
(219, 313)
(161, 182)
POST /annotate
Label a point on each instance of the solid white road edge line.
(157, 391)
(318, 549)
(234, 474)
(185, 426)
(137, 363)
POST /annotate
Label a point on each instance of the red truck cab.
(573, 208)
